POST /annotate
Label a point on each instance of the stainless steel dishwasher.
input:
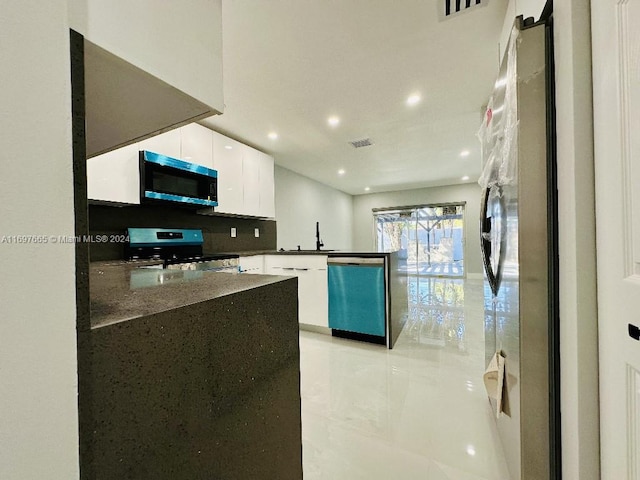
(357, 300)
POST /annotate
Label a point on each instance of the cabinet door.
(196, 145)
(227, 160)
(312, 297)
(313, 290)
(167, 143)
(280, 265)
(311, 271)
(251, 181)
(267, 186)
(252, 264)
(115, 176)
(271, 263)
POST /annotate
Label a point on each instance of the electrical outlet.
(256, 232)
(234, 232)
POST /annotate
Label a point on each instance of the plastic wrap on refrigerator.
(498, 133)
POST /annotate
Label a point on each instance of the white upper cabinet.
(245, 175)
(196, 145)
(245, 178)
(115, 176)
(167, 143)
(251, 181)
(227, 160)
(258, 183)
(267, 186)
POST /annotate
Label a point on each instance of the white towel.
(495, 382)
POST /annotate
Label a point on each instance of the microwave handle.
(213, 189)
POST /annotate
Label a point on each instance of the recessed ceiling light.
(341, 172)
(413, 99)
(333, 121)
(228, 147)
(464, 153)
(465, 178)
(273, 135)
(471, 450)
(366, 189)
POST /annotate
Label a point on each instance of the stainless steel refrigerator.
(517, 231)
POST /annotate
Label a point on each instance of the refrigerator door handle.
(485, 241)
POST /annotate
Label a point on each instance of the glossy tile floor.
(418, 411)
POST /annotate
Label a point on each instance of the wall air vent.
(453, 7)
(365, 142)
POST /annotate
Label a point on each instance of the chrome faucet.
(319, 243)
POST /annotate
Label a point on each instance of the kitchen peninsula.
(195, 375)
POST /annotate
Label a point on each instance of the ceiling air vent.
(365, 142)
(452, 7)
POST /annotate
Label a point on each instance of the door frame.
(576, 241)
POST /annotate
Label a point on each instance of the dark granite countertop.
(122, 290)
(282, 252)
(336, 253)
(361, 254)
(251, 253)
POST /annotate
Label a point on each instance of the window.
(429, 237)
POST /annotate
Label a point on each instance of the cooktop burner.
(174, 246)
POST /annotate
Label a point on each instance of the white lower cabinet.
(313, 297)
(311, 270)
(252, 264)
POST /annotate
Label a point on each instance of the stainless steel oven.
(178, 249)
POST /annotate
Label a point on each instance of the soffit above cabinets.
(124, 104)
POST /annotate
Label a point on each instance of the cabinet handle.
(303, 269)
(288, 268)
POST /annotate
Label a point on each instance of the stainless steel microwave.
(166, 179)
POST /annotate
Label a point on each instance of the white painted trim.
(576, 238)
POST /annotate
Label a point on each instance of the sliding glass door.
(429, 237)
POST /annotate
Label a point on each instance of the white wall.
(578, 310)
(38, 382)
(178, 42)
(301, 202)
(363, 218)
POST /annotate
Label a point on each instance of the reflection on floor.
(449, 269)
(417, 412)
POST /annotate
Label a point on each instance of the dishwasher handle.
(356, 261)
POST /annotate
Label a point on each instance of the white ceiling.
(290, 64)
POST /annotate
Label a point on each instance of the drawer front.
(252, 264)
(302, 262)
